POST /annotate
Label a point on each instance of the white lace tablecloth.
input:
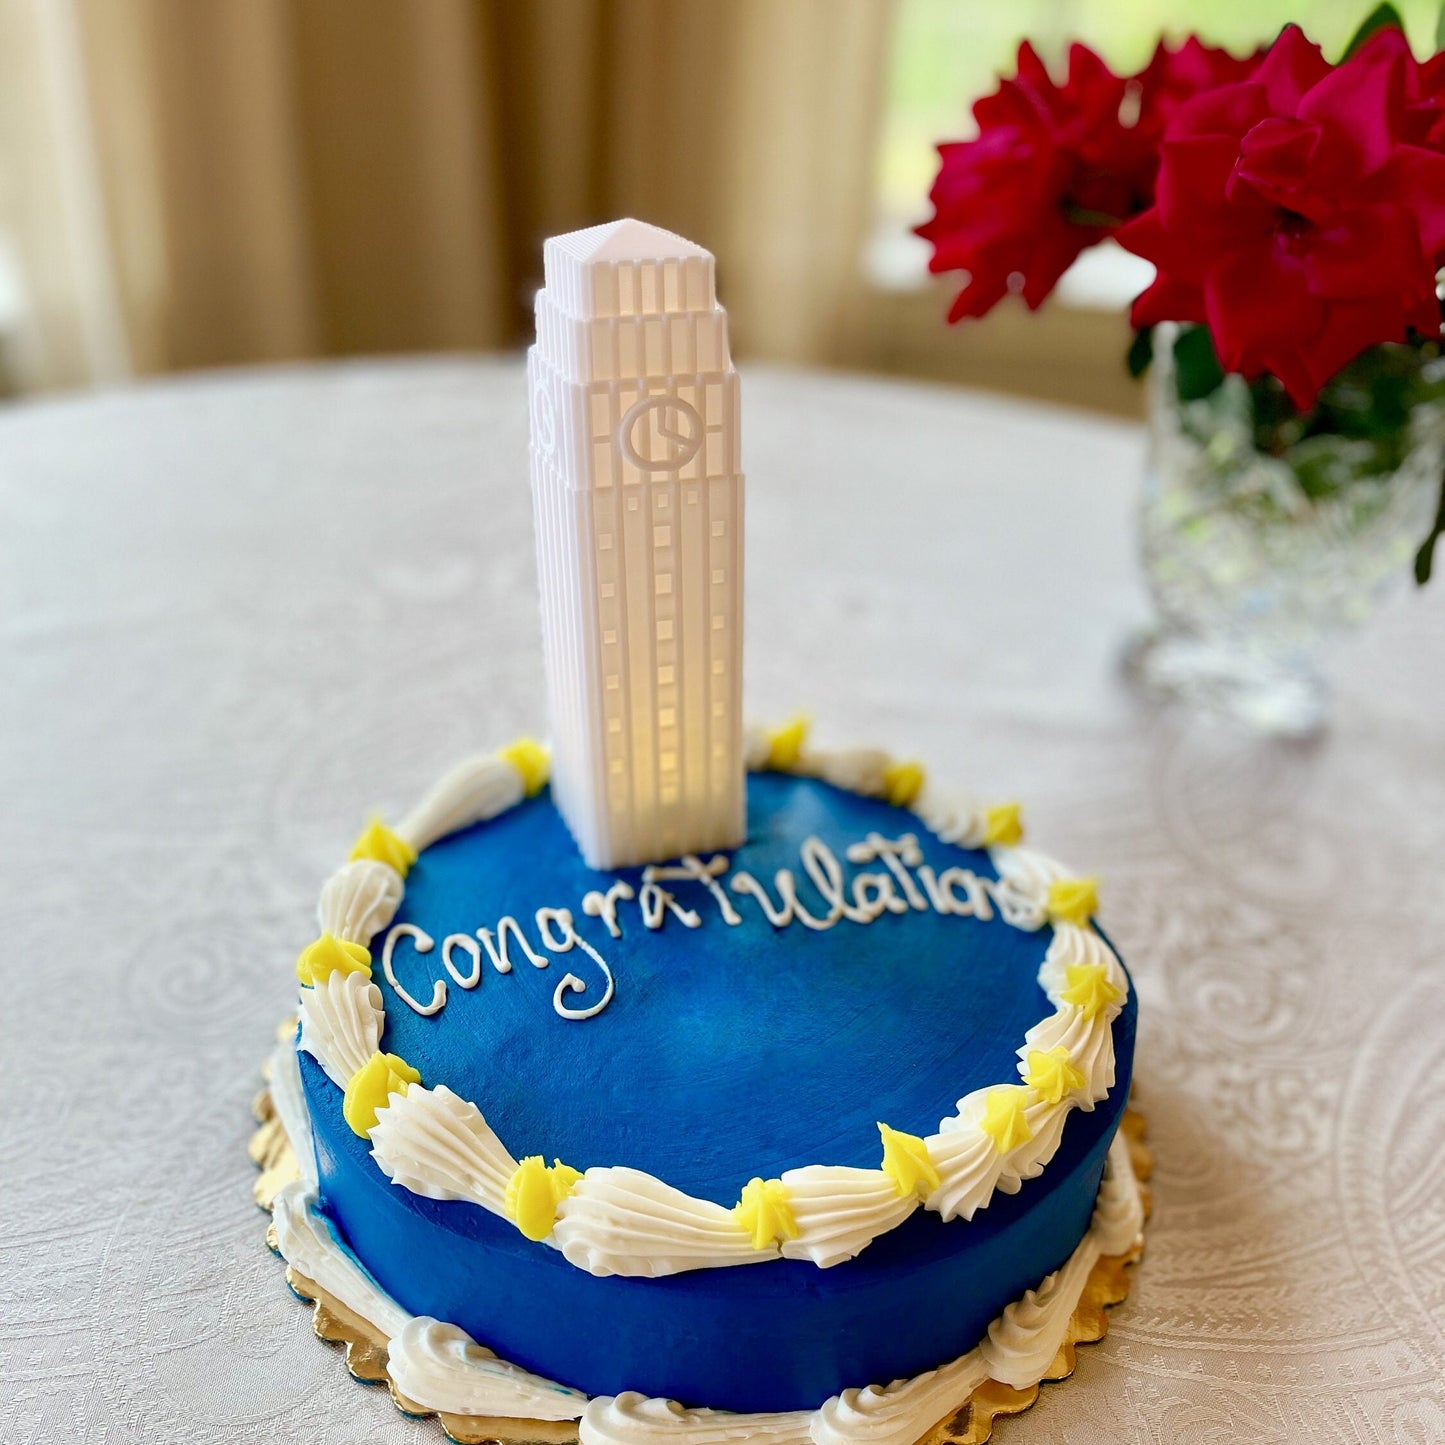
(240, 611)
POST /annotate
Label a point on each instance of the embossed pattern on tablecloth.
(204, 585)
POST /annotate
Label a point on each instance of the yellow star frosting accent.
(534, 1193)
(329, 954)
(906, 1162)
(1087, 987)
(371, 1088)
(1073, 900)
(532, 761)
(902, 783)
(380, 844)
(1050, 1073)
(765, 1212)
(785, 745)
(1003, 1117)
(1004, 824)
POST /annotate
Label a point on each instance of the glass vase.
(1256, 559)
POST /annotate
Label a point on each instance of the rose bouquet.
(1294, 211)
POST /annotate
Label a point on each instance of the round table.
(242, 609)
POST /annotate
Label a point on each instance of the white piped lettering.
(906, 884)
(509, 931)
(691, 868)
(898, 855)
(466, 942)
(424, 943)
(561, 936)
(657, 902)
(604, 905)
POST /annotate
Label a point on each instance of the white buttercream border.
(623, 1221)
(441, 1369)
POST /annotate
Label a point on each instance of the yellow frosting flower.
(329, 954)
(906, 1162)
(371, 1088)
(766, 1213)
(785, 745)
(1003, 823)
(1073, 900)
(902, 783)
(1087, 987)
(534, 1193)
(532, 761)
(1051, 1073)
(1003, 1117)
(379, 843)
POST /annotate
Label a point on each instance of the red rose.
(1052, 171)
(1423, 122)
(1428, 107)
(1295, 215)
(1056, 168)
(1177, 74)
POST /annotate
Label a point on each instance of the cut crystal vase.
(1256, 559)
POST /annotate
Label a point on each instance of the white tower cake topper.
(638, 498)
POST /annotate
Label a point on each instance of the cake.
(685, 1079)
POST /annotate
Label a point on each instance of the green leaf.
(1141, 352)
(1440, 30)
(1381, 17)
(1425, 557)
(1197, 372)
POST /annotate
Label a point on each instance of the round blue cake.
(721, 1065)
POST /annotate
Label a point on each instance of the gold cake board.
(971, 1423)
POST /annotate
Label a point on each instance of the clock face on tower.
(660, 433)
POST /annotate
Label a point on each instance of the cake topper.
(638, 506)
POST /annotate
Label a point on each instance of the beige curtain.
(284, 178)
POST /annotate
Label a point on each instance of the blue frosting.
(726, 1052)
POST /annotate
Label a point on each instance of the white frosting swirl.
(359, 900)
(858, 770)
(1090, 1043)
(1118, 1221)
(903, 1412)
(950, 816)
(633, 1419)
(445, 1367)
(476, 789)
(1027, 1161)
(289, 1101)
(308, 1245)
(969, 1166)
(341, 1021)
(622, 1221)
(968, 1163)
(1073, 944)
(439, 1146)
(1022, 1342)
(840, 1211)
(1030, 872)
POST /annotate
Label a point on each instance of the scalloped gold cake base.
(366, 1347)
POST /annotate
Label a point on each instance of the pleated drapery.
(196, 184)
